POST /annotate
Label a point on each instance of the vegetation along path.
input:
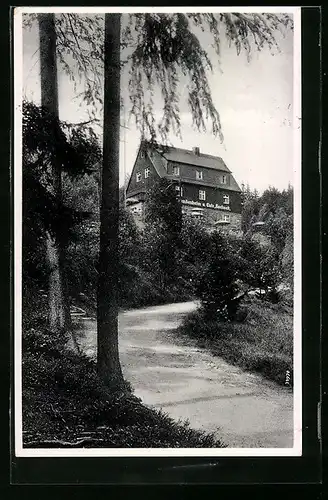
(243, 409)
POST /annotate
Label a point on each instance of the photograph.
(157, 232)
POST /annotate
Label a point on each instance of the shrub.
(216, 287)
(261, 342)
(258, 266)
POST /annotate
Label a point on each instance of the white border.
(297, 158)
(167, 10)
(136, 452)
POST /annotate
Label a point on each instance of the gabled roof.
(160, 155)
(158, 163)
(189, 157)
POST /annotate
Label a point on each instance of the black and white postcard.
(157, 232)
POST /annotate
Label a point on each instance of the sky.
(254, 99)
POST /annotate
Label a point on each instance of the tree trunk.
(109, 367)
(56, 306)
(59, 313)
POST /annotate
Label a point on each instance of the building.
(204, 183)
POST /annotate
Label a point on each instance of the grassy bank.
(65, 404)
(262, 343)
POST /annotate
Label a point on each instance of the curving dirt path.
(243, 409)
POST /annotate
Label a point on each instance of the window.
(197, 214)
(199, 175)
(178, 190)
(138, 176)
(202, 195)
(224, 179)
(147, 172)
(142, 154)
(226, 218)
(226, 199)
(176, 170)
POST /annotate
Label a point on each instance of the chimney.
(196, 151)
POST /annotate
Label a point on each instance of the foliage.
(82, 260)
(161, 238)
(160, 263)
(77, 150)
(163, 207)
(34, 263)
(157, 51)
(157, 267)
(287, 259)
(277, 227)
(131, 280)
(194, 252)
(167, 47)
(82, 196)
(216, 287)
(262, 343)
(250, 204)
(258, 266)
(143, 258)
(274, 209)
(76, 147)
(129, 238)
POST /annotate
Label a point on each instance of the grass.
(66, 405)
(262, 343)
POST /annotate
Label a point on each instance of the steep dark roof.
(189, 157)
(161, 155)
(158, 162)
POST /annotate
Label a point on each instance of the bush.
(43, 342)
(150, 273)
(262, 342)
(82, 260)
(37, 340)
(259, 267)
(216, 287)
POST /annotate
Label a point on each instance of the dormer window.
(224, 179)
(199, 175)
(202, 195)
(176, 170)
(147, 172)
(226, 199)
(138, 176)
(142, 154)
